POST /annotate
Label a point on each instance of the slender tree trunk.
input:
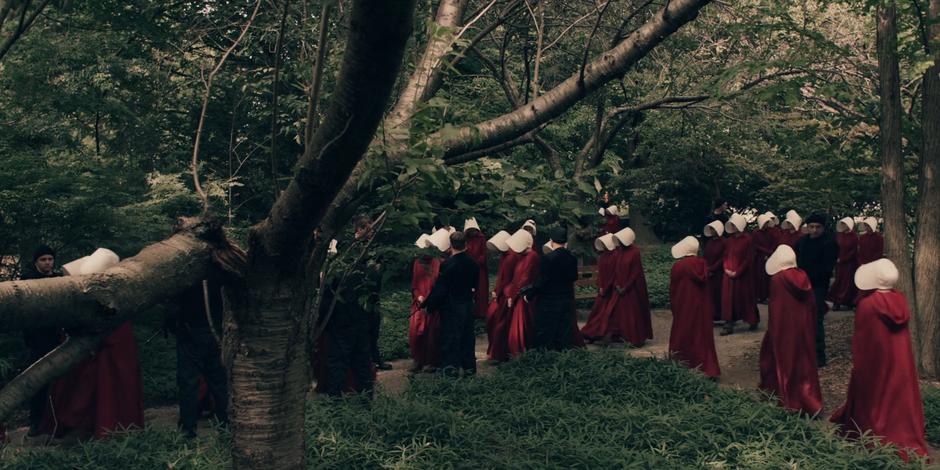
(892, 166)
(927, 242)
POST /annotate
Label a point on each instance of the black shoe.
(383, 366)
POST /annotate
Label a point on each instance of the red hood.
(796, 281)
(890, 306)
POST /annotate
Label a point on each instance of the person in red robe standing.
(714, 259)
(843, 291)
(606, 246)
(765, 242)
(871, 245)
(884, 394)
(691, 340)
(738, 297)
(775, 231)
(788, 351)
(476, 249)
(521, 327)
(611, 217)
(626, 316)
(790, 233)
(104, 393)
(497, 314)
(424, 327)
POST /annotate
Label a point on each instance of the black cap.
(43, 250)
(559, 235)
(816, 219)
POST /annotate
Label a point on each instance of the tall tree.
(892, 166)
(927, 241)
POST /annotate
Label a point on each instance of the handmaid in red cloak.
(522, 323)
(476, 249)
(765, 242)
(871, 245)
(884, 394)
(498, 316)
(738, 296)
(714, 253)
(606, 246)
(423, 326)
(788, 352)
(691, 339)
(843, 291)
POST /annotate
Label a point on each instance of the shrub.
(931, 397)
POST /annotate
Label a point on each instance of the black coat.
(817, 256)
(459, 277)
(558, 271)
(40, 340)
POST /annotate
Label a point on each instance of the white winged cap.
(520, 241)
(714, 229)
(872, 223)
(847, 224)
(763, 220)
(498, 242)
(737, 221)
(96, 262)
(688, 246)
(423, 242)
(626, 236)
(530, 223)
(782, 258)
(605, 242)
(471, 223)
(440, 239)
(880, 274)
(794, 219)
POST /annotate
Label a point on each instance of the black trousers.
(820, 293)
(198, 354)
(39, 341)
(349, 350)
(457, 339)
(375, 325)
(553, 322)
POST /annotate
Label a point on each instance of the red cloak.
(423, 328)
(884, 395)
(476, 249)
(606, 266)
(871, 247)
(102, 394)
(691, 339)
(843, 290)
(765, 242)
(788, 352)
(498, 316)
(611, 224)
(738, 297)
(626, 314)
(714, 258)
(523, 322)
(789, 238)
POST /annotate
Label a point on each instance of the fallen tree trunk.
(157, 272)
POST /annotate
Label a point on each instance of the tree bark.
(611, 64)
(157, 272)
(266, 330)
(927, 241)
(892, 166)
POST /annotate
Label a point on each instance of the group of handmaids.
(883, 395)
(104, 392)
(509, 314)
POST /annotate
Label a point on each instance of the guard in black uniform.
(554, 291)
(349, 329)
(198, 352)
(452, 297)
(816, 254)
(39, 341)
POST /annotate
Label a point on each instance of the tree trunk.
(266, 328)
(892, 166)
(927, 242)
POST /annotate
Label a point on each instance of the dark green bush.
(657, 264)
(931, 397)
(577, 409)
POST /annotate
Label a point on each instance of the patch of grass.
(657, 264)
(395, 306)
(931, 397)
(577, 409)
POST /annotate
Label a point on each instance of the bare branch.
(24, 24)
(313, 91)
